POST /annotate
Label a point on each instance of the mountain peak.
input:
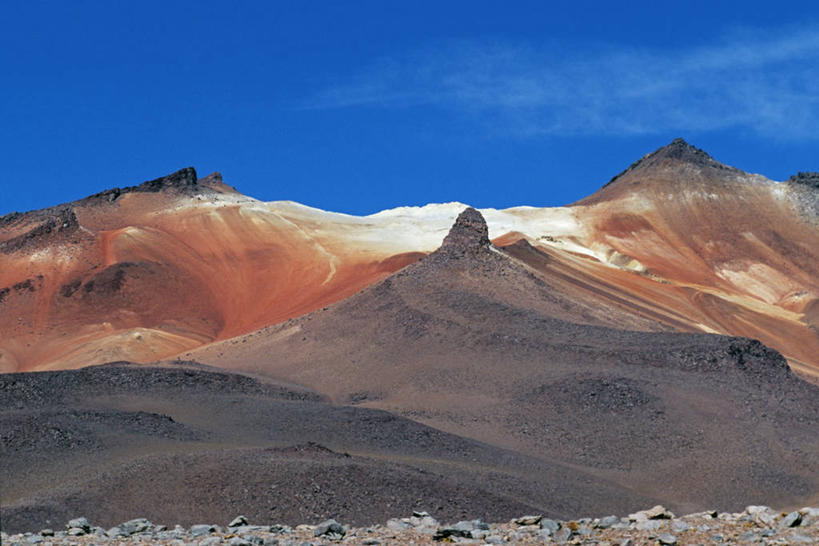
(469, 232)
(681, 150)
(676, 153)
(181, 179)
(212, 178)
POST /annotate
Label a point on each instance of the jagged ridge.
(183, 181)
(809, 179)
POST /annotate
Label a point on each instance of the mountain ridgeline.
(654, 343)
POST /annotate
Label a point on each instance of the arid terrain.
(148, 272)
(180, 352)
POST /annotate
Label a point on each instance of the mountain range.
(654, 342)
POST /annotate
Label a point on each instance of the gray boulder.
(423, 521)
(679, 526)
(794, 519)
(444, 533)
(647, 525)
(115, 532)
(396, 524)
(464, 526)
(607, 522)
(330, 528)
(549, 524)
(79, 523)
(238, 521)
(134, 526)
(528, 520)
(564, 534)
(202, 530)
(657, 512)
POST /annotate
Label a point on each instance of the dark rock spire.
(469, 232)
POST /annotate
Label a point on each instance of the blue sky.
(360, 106)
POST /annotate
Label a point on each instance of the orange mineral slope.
(679, 239)
(696, 245)
(156, 270)
(146, 272)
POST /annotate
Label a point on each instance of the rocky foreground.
(756, 525)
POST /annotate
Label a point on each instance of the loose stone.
(667, 539)
(794, 519)
(528, 520)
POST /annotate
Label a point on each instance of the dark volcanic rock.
(680, 151)
(809, 179)
(49, 224)
(54, 223)
(469, 233)
(805, 192)
(181, 181)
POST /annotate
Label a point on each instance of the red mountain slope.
(146, 272)
(676, 242)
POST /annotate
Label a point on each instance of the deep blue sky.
(361, 106)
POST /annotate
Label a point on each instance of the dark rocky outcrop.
(679, 151)
(808, 179)
(60, 221)
(182, 181)
(468, 233)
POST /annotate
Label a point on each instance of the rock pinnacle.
(469, 232)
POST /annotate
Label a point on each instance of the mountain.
(470, 341)
(742, 249)
(146, 272)
(653, 343)
(678, 241)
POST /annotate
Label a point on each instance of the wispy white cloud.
(763, 82)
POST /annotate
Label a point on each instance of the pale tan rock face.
(678, 241)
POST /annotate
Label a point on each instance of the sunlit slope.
(148, 274)
(690, 242)
(743, 249)
(472, 340)
(676, 242)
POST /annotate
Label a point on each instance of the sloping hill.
(186, 444)
(470, 341)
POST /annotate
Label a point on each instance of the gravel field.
(755, 525)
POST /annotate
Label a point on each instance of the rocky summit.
(468, 233)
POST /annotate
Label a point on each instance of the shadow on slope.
(187, 444)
